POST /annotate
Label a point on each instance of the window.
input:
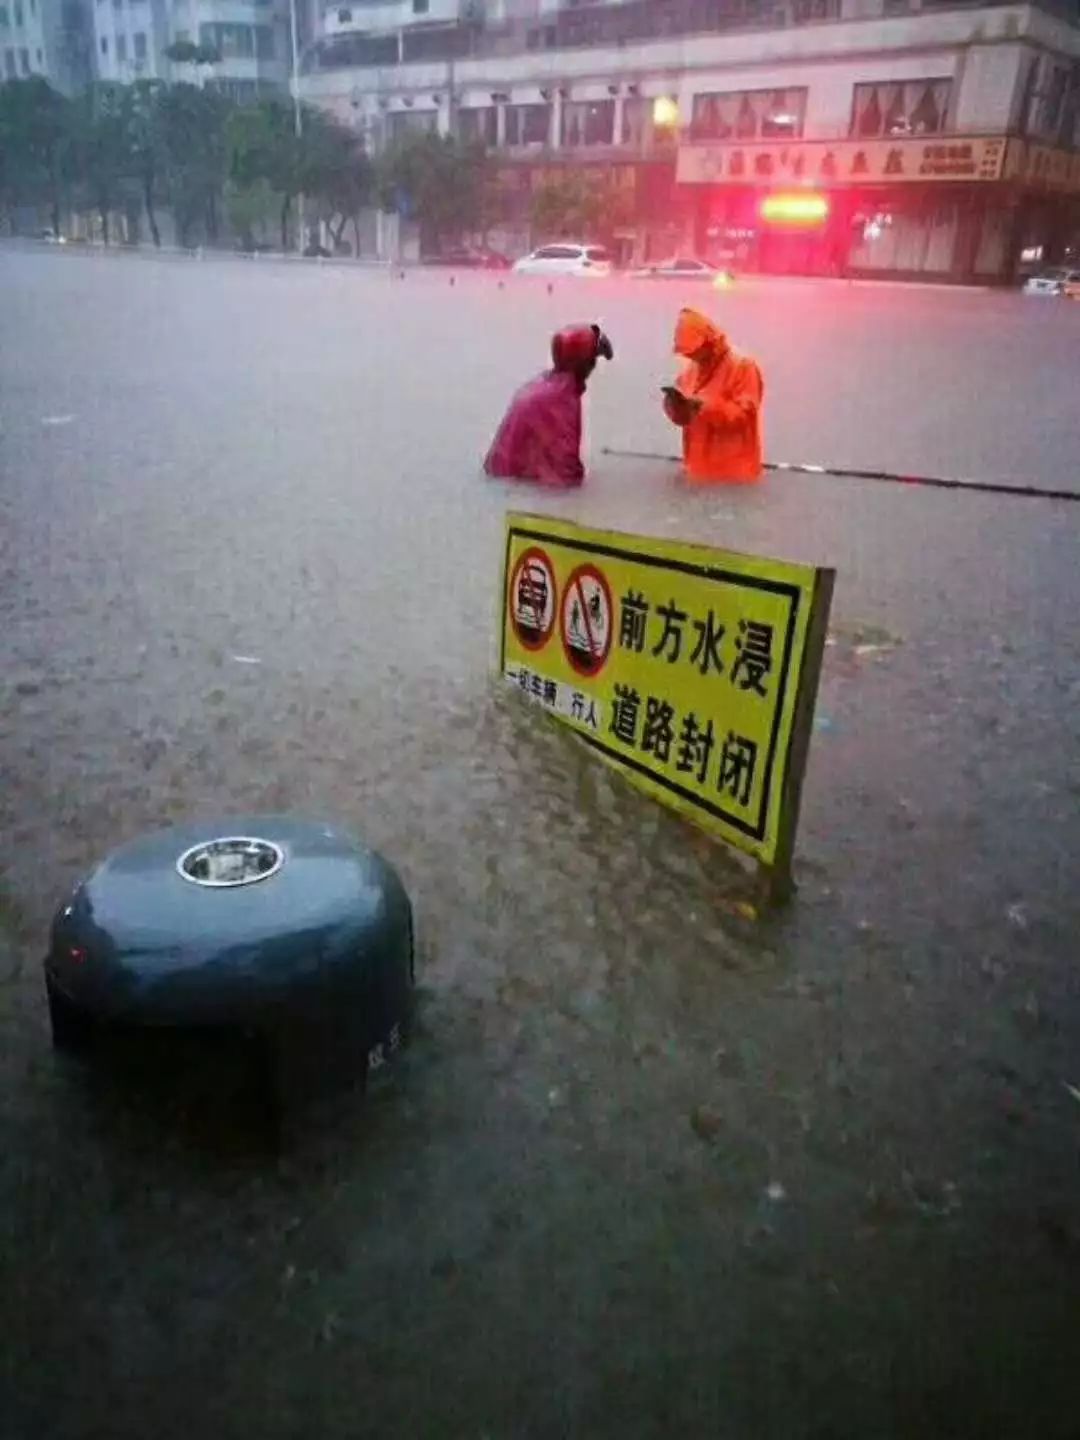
(121, 47)
(3, 17)
(264, 42)
(419, 7)
(181, 36)
(344, 17)
(905, 107)
(18, 16)
(9, 63)
(1050, 104)
(232, 42)
(412, 122)
(588, 122)
(140, 44)
(749, 115)
(104, 45)
(527, 124)
(24, 61)
(635, 115)
(39, 57)
(478, 126)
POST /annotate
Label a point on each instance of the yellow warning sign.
(693, 670)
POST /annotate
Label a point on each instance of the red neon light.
(804, 209)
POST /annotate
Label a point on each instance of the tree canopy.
(126, 147)
(436, 179)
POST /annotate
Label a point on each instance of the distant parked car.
(51, 237)
(315, 251)
(469, 257)
(683, 268)
(567, 258)
(1052, 282)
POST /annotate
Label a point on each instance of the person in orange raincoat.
(716, 401)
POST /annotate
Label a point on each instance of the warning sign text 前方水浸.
(693, 670)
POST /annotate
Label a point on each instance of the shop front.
(954, 209)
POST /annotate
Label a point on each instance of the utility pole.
(298, 119)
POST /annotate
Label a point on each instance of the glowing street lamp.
(665, 112)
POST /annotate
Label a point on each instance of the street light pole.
(298, 121)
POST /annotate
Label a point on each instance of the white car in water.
(1052, 282)
(590, 262)
(683, 267)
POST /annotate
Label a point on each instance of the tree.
(321, 161)
(249, 208)
(101, 147)
(35, 144)
(263, 146)
(195, 155)
(572, 204)
(336, 172)
(437, 178)
(146, 144)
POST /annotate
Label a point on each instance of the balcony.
(614, 27)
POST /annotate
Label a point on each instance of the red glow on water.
(797, 210)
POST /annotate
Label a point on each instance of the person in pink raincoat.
(540, 435)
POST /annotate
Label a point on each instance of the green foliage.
(101, 148)
(250, 208)
(194, 149)
(436, 178)
(121, 146)
(322, 161)
(35, 144)
(574, 205)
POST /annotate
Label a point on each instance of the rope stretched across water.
(934, 482)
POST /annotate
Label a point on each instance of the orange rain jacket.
(723, 440)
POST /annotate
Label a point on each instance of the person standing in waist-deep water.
(540, 435)
(716, 401)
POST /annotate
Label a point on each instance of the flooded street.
(649, 1168)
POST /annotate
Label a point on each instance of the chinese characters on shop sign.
(680, 665)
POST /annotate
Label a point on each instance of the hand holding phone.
(676, 396)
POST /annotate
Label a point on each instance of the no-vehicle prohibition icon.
(533, 598)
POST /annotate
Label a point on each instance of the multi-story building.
(250, 37)
(47, 38)
(910, 137)
(70, 42)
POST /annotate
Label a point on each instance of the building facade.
(49, 38)
(250, 37)
(71, 42)
(889, 137)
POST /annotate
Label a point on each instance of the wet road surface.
(648, 1169)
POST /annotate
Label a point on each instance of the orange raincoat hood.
(693, 330)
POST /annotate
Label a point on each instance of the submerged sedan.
(684, 268)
